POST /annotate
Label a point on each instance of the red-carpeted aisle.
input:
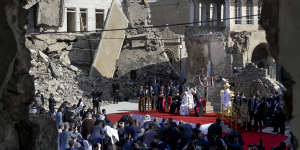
(205, 119)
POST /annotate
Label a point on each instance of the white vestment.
(187, 104)
(226, 99)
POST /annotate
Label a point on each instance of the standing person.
(198, 107)
(39, 97)
(238, 99)
(152, 97)
(156, 86)
(79, 106)
(105, 115)
(258, 114)
(175, 103)
(140, 98)
(161, 101)
(94, 100)
(65, 137)
(51, 101)
(251, 108)
(59, 117)
(115, 89)
(279, 116)
(95, 103)
(169, 94)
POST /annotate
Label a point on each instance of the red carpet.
(205, 119)
(269, 140)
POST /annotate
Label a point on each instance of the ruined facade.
(67, 15)
(225, 34)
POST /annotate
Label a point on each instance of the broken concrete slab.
(111, 44)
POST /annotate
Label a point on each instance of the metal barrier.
(235, 115)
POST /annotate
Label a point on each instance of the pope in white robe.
(187, 104)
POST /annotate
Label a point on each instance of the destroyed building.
(209, 32)
(66, 15)
(227, 36)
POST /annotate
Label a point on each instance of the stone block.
(111, 43)
(135, 43)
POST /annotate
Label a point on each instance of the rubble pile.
(57, 71)
(253, 79)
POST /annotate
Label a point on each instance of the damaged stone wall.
(17, 88)
(242, 44)
(143, 52)
(49, 15)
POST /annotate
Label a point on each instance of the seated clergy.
(187, 103)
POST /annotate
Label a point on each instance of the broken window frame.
(71, 10)
(82, 26)
(101, 12)
(249, 11)
(259, 6)
(238, 11)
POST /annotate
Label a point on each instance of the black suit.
(251, 108)
(259, 114)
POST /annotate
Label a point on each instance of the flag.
(201, 81)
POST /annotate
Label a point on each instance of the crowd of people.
(82, 129)
(264, 111)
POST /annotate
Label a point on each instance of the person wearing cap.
(226, 100)
(147, 121)
(74, 139)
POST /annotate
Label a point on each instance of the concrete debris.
(43, 56)
(55, 70)
(253, 79)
